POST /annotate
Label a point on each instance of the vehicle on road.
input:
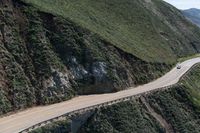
(178, 66)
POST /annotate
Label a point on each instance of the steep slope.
(173, 110)
(47, 59)
(193, 15)
(139, 27)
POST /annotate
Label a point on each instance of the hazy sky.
(185, 4)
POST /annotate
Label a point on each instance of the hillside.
(139, 27)
(174, 110)
(53, 51)
(193, 15)
(47, 59)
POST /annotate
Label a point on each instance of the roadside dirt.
(168, 128)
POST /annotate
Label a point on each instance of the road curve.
(22, 120)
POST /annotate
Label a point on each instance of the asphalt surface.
(22, 120)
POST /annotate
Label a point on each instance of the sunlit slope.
(149, 29)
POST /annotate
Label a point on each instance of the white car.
(178, 66)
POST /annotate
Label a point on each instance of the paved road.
(22, 120)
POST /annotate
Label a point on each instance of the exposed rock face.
(99, 70)
(77, 70)
(57, 86)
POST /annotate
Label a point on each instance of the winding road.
(22, 120)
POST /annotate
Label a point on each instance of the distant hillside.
(193, 15)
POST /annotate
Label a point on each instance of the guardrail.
(90, 108)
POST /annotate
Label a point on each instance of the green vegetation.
(39, 46)
(57, 127)
(177, 109)
(191, 82)
(188, 57)
(151, 31)
(124, 117)
(180, 105)
(5, 104)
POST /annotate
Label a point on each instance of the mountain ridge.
(193, 15)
